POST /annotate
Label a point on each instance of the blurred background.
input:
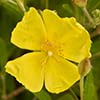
(86, 14)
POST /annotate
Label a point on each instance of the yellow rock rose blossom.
(56, 43)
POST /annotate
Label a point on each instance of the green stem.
(21, 5)
(12, 2)
(46, 4)
(73, 94)
(14, 93)
(88, 15)
(3, 85)
(96, 55)
(81, 88)
(96, 32)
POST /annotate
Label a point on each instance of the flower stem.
(73, 94)
(14, 93)
(21, 5)
(46, 4)
(12, 2)
(96, 32)
(81, 88)
(3, 85)
(96, 55)
(88, 15)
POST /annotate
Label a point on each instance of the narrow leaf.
(43, 95)
(89, 89)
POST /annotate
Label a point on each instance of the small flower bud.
(96, 17)
(84, 67)
(80, 3)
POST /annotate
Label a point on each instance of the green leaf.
(11, 6)
(68, 8)
(93, 4)
(68, 96)
(89, 89)
(10, 81)
(96, 45)
(43, 95)
(3, 53)
(96, 74)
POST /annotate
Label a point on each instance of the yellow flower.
(56, 43)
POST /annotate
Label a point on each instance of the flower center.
(49, 47)
(52, 48)
(50, 53)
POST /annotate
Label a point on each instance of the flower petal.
(73, 38)
(30, 32)
(28, 70)
(60, 74)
